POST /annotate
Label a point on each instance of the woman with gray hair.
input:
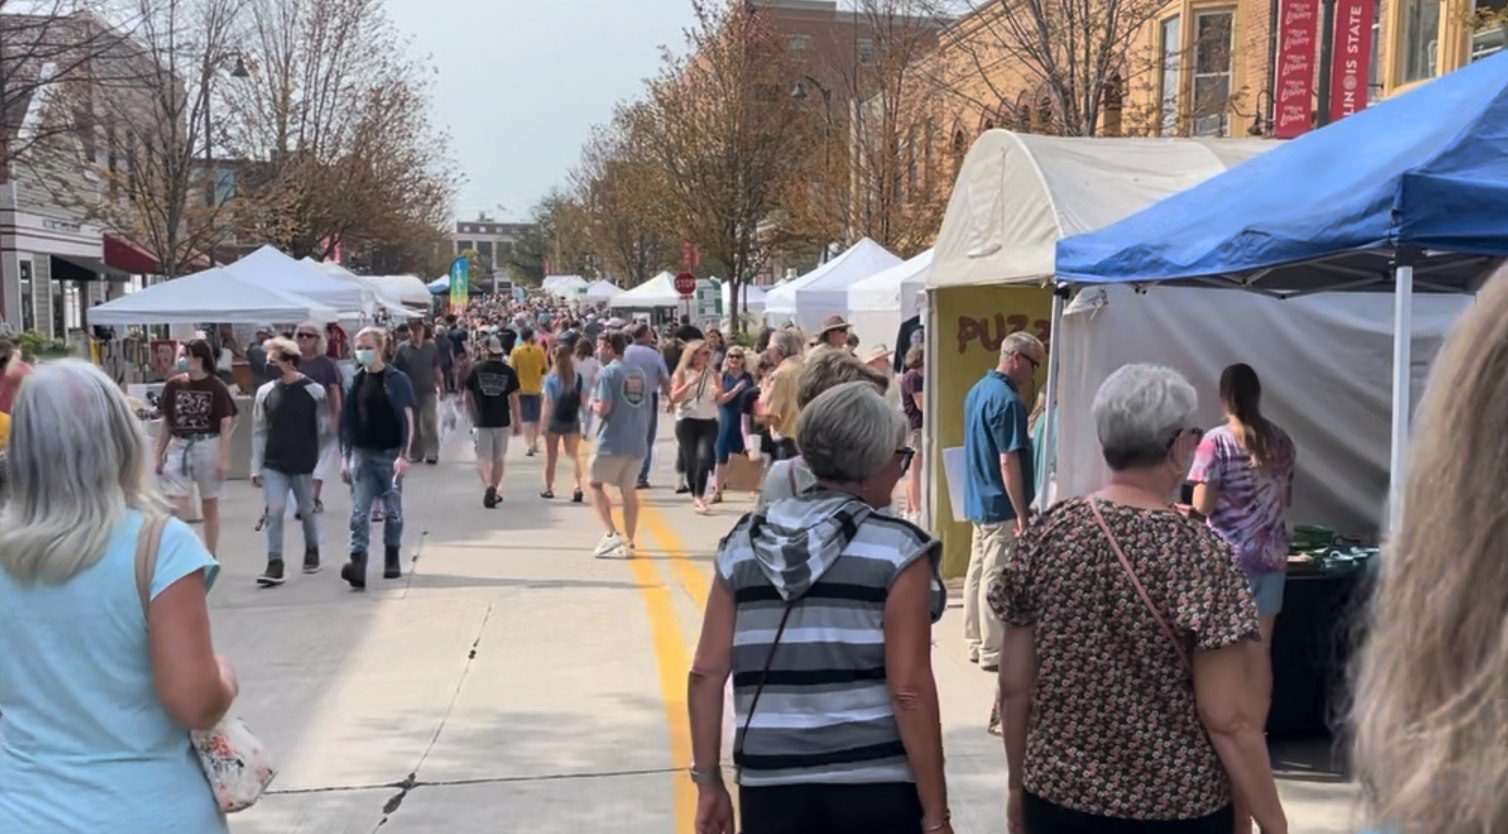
(103, 668)
(1126, 628)
(823, 608)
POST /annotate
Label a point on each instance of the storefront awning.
(126, 256)
(74, 268)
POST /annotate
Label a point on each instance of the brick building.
(492, 240)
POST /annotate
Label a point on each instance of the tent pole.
(930, 453)
(1403, 279)
(1050, 409)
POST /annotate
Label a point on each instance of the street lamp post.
(210, 180)
(799, 94)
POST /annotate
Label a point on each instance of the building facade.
(492, 240)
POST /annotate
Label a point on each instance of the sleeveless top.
(699, 404)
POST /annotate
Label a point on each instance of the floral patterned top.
(1114, 727)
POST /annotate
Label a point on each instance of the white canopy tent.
(600, 291)
(658, 291)
(566, 287)
(274, 270)
(404, 290)
(823, 292)
(878, 305)
(216, 295)
(751, 299)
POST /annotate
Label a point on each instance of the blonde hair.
(77, 461)
(688, 355)
(283, 349)
(377, 333)
(1431, 708)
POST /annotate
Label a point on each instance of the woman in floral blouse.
(1120, 683)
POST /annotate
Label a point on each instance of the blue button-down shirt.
(994, 424)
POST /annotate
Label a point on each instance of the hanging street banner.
(460, 286)
(1351, 74)
(1293, 109)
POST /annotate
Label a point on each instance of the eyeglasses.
(1195, 431)
(308, 335)
(1035, 363)
(907, 455)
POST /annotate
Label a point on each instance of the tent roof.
(275, 270)
(1426, 171)
(858, 262)
(216, 295)
(402, 289)
(601, 290)
(658, 291)
(889, 289)
(566, 286)
(1017, 195)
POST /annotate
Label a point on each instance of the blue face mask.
(183, 364)
(365, 356)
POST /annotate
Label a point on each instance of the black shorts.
(1042, 815)
(886, 808)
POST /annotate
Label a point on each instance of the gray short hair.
(77, 459)
(849, 433)
(1138, 411)
(1018, 342)
(787, 342)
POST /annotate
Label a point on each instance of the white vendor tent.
(565, 286)
(216, 295)
(658, 291)
(600, 291)
(878, 305)
(274, 270)
(405, 290)
(823, 292)
(1018, 194)
(751, 299)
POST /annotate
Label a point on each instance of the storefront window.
(1170, 54)
(1213, 31)
(1421, 39)
(28, 305)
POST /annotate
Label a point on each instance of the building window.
(799, 43)
(28, 300)
(1213, 31)
(464, 245)
(1421, 39)
(484, 248)
(866, 51)
(1172, 51)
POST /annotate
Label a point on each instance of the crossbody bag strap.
(148, 542)
(1115, 545)
(764, 676)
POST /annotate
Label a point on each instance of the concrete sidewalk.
(510, 682)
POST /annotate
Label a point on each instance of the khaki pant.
(993, 546)
(427, 432)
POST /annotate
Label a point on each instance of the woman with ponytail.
(1243, 476)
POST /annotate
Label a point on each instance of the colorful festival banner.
(460, 284)
(1294, 108)
(1352, 70)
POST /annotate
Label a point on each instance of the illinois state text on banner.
(1294, 105)
(972, 322)
(1351, 74)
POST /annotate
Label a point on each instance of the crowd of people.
(1128, 629)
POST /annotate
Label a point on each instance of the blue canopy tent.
(1412, 192)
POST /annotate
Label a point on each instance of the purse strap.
(1115, 545)
(764, 675)
(148, 541)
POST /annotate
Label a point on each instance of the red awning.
(128, 257)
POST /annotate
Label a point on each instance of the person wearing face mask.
(830, 604)
(376, 426)
(288, 419)
(1119, 600)
(193, 444)
(998, 490)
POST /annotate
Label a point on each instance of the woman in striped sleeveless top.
(822, 614)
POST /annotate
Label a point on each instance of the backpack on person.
(568, 407)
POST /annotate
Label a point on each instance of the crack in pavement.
(409, 784)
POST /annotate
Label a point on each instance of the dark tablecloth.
(1316, 634)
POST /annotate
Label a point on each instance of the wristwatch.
(706, 777)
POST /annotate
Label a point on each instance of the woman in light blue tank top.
(95, 733)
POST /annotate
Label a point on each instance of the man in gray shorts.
(491, 396)
(622, 401)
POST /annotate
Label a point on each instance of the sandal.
(717, 497)
(577, 497)
(549, 493)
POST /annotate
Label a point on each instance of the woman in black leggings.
(694, 391)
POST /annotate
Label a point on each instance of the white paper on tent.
(956, 468)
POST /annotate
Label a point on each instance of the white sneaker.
(630, 550)
(611, 547)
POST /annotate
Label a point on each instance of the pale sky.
(521, 82)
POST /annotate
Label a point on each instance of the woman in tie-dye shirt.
(1243, 473)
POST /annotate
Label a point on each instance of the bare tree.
(723, 125)
(625, 194)
(1069, 57)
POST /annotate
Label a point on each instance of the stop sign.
(685, 284)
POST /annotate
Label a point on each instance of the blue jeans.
(654, 431)
(275, 488)
(372, 478)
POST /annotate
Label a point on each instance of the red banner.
(1352, 67)
(1293, 108)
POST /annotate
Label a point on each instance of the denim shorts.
(1267, 590)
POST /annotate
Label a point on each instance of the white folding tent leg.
(1403, 278)
(1050, 410)
(932, 459)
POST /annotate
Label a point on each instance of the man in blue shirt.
(644, 357)
(622, 401)
(998, 490)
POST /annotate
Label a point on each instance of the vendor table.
(1312, 646)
